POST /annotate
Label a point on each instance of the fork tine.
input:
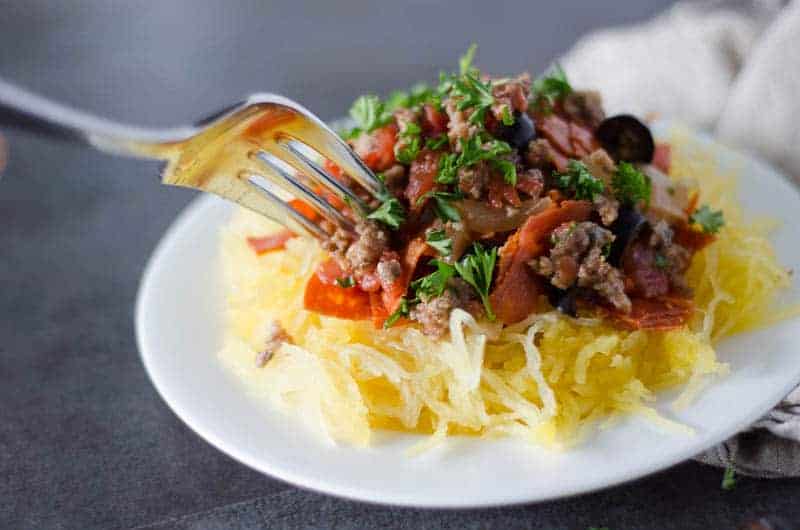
(291, 183)
(317, 135)
(307, 166)
(340, 153)
(279, 210)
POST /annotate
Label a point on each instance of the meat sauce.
(512, 174)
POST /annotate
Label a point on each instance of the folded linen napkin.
(732, 68)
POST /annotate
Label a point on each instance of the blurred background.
(85, 442)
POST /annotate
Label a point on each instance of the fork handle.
(41, 116)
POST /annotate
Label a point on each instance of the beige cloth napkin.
(732, 68)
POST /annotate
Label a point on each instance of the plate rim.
(321, 485)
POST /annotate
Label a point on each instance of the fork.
(260, 153)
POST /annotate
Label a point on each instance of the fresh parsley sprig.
(425, 288)
(417, 96)
(403, 310)
(369, 113)
(467, 89)
(436, 142)
(472, 93)
(630, 185)
(506, 116)
(439, 240)
(579, 181)
(390, 212)
(710, 221)
(549, 88)
(345, 282)
(729, 479)
(465, 61)
(434, 284)
(410, 141)
(448, 169)
(476, 269)
(507, 169)
(473, 150)
(442, 204)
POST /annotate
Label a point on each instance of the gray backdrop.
(85, 442)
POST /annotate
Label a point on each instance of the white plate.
(179, 329)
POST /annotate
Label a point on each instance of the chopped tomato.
(305, 209)
(275, 241)
(692, 239)
(329, 271)
(333, 169)
(393, 292)
(529, 184)
(323, 295)
(582, 140)
(556, 157)
(378, 311)
(422, 177)
(517, 289)
(662, 314)
(662, 157)
(411, 254)
(376, 149)
(434, 121)
(329, 196)
(686, 235)
(388, 300)
(500, 191)
(557, 131)
(337, 173)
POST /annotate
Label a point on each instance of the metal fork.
(259, 153)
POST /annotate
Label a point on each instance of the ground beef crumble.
(530, 181)
(337, 244)
(363, 255)
(510, 95)
(396, 179)
(492, 210)
(607, 207)
(540, 154)
(577, 258)
(434, 313)
(601, 165)
(389, 270)
(677, 259)
(458, 126)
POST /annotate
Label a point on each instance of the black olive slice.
(626, 228)
(519, 133)
(626, 138)
(565, 300)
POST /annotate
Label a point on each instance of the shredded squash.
(547, 379)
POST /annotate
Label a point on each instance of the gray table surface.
(85, 441)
